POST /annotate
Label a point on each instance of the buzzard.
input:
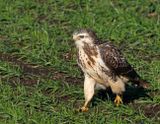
(103, 66)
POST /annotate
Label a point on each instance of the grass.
(39, 32)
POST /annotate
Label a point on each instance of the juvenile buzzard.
(103, 66)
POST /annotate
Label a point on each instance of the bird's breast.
(93, 66)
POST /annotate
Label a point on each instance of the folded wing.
(113, 59)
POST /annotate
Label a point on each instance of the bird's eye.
(81, 36)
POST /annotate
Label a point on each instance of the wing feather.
(114, 59)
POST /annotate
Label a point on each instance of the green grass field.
(40, 82)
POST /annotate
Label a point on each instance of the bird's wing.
(113, 59)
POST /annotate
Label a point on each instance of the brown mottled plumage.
(103, 66)
(118, 64)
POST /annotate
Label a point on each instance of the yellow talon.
(118, 100)
(83, 109)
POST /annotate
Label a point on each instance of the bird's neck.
(82, 44)
(88, 49)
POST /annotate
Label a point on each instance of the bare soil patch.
(32, 71)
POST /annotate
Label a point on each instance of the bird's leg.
(117, 87)
(118, 100)
(84, 108)
(89, 85)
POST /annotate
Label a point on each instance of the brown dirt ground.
(31, 72)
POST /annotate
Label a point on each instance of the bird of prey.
(103, 66)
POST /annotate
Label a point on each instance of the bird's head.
(83, 36)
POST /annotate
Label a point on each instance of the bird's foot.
(83, 109)
(118, 100)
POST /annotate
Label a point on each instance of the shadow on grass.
(150, 110)
(132, 93)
